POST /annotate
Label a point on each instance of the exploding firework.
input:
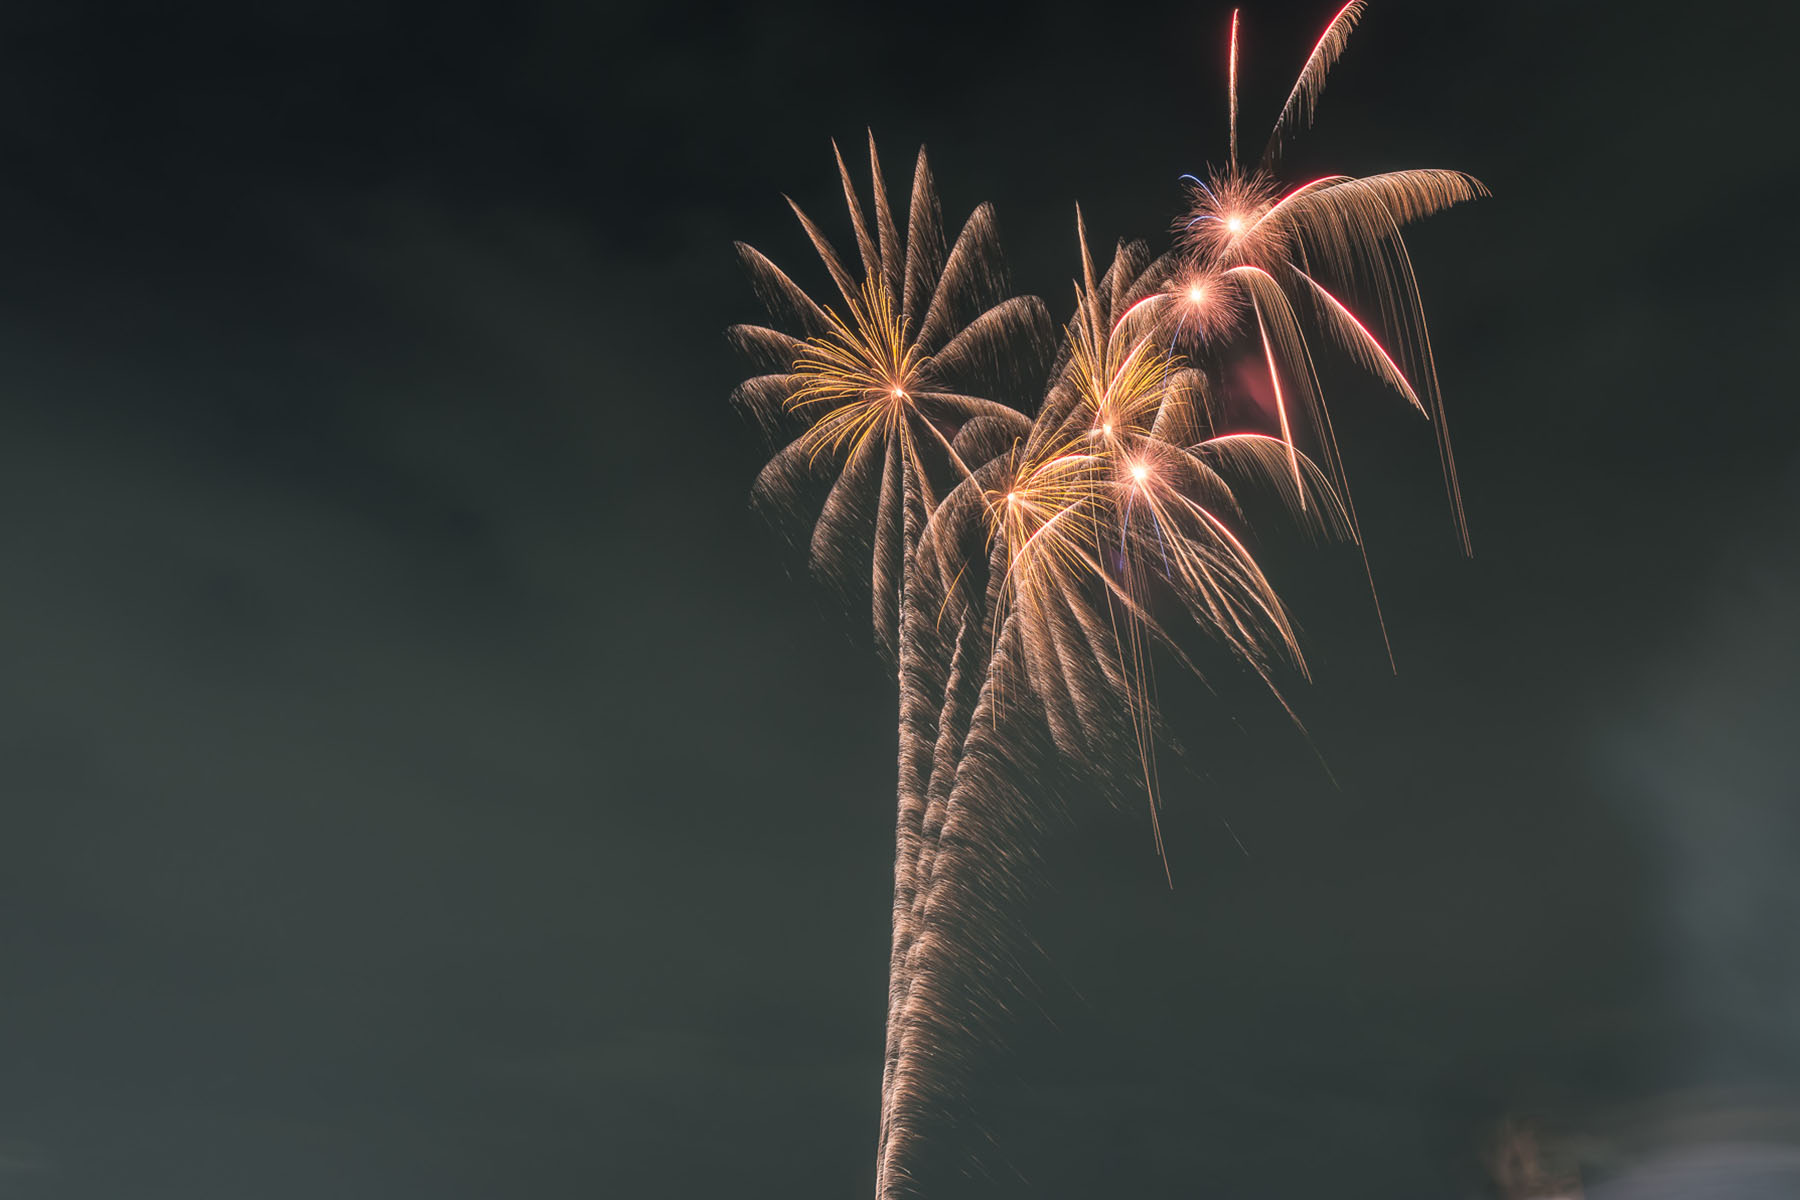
(877, 392)
(1293, 249)
(1025, 573)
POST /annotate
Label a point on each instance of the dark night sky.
(424, 776)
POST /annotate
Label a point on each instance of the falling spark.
(1232, 88)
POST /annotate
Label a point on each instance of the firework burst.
(876, 391)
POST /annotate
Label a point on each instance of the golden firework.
(1026, 571)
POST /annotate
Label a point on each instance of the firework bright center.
(1234, 223)
(1196, 294)
(1139, 471)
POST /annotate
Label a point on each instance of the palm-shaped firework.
(877, 388)
(1022, 570)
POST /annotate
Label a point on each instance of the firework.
(1026, 573)
(1297, 247)
(876, 391)
(1120, 492)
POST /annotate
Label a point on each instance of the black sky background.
(424, 775)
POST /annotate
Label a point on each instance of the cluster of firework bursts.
(1022, 568)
